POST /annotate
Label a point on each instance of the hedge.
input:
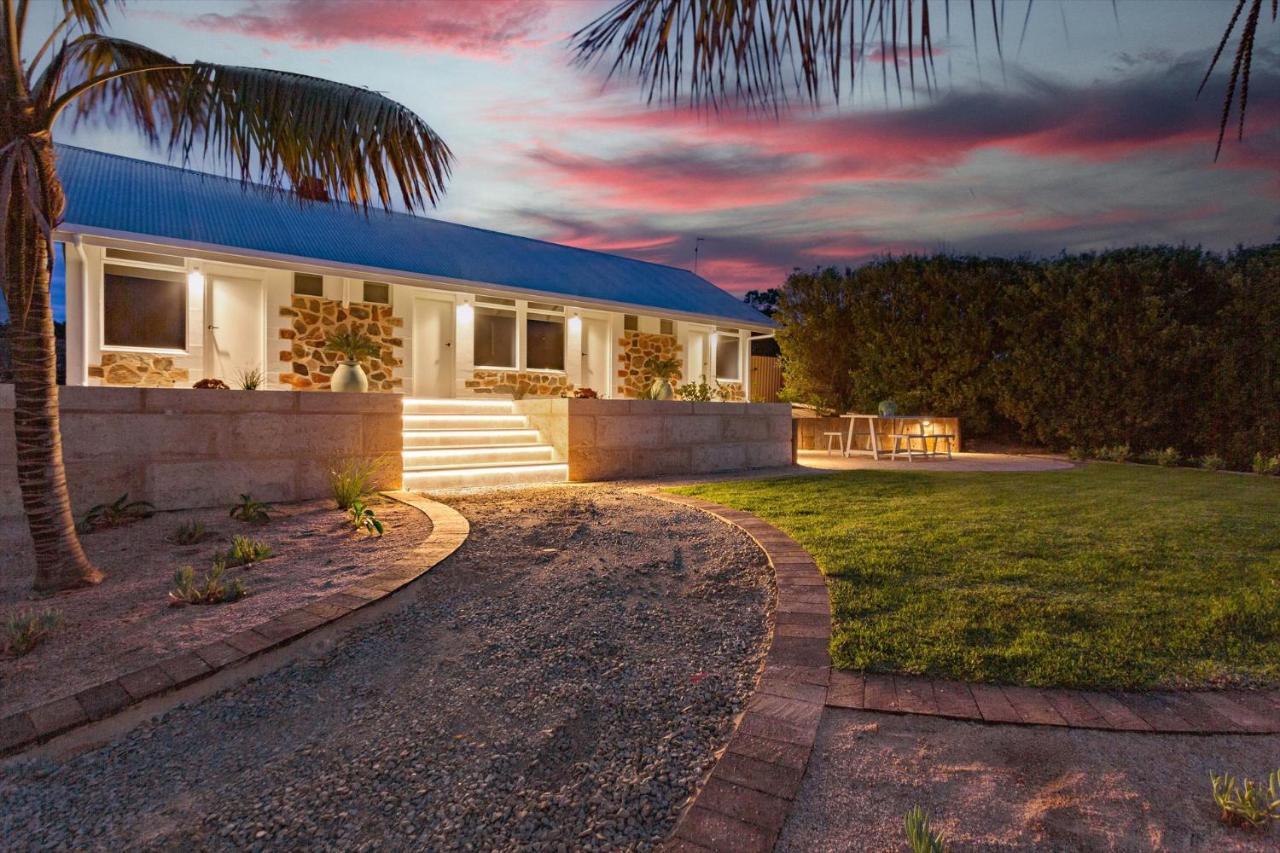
(1153, 347)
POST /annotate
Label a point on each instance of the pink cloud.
(484, 28)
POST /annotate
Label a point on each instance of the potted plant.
(663, 370)
(352, 346)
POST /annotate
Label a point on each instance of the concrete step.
(456, 422)
(417, 439)
(445, 457)
(423, 406)
(486, 475)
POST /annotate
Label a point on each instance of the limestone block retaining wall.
(618, 439)
(181, 448)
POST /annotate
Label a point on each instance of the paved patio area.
(821, 460)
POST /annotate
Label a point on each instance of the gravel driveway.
(561, 682)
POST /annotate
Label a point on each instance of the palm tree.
(277, 127)
(754, 52)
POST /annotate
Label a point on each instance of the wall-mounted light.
(465, 312)
(195, 283)
(575, 324)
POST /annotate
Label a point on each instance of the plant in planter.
(352, 346)
(700, 391)
(663, 370)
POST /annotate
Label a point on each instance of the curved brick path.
(42, 723)
(748, 796)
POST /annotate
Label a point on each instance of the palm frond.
(1241, 65)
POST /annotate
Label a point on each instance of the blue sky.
(1089, 136)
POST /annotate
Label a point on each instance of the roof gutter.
(236, 255)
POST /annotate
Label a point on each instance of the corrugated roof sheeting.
(110, 192)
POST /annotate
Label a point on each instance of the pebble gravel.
(562, 682)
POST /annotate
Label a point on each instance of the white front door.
(696, 357)
(432, 348)
(235, 329)
(595, 355)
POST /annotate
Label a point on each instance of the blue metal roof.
(122, 194)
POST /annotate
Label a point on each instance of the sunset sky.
(1089, 137)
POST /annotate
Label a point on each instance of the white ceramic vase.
(349, 378)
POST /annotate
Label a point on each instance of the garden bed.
(1105, 576)
(127, 622)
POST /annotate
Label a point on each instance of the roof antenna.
(697, 244)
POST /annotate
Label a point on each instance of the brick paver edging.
(36, 725)
(1200, 712)
(745, 801)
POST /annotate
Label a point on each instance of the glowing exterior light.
(195, 282)
(575, 323)
(466, 312)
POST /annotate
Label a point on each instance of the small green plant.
(1263, 464)
(244, 551)
(118, 512)
(699, 392)
(1212, 462)
(190, 533)
(364, 518)
(251, 511)
(352, 345)
(1116, 453)
(1167, 458)
(25, 630)
(920, 834)
(1077, 454)
(250, 379)
(1251, 805)
(354, 477)
(662, 368)
(213, 588)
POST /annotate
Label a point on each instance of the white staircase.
(451, 444)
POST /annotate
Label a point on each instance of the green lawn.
(1102, 576)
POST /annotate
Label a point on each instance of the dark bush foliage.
(1150, 347)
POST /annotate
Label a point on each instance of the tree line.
(1151, 346)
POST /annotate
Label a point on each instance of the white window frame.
(476, 306)
(736, 335)
(102, 305)
(525, 313)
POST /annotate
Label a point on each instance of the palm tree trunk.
(60, 560)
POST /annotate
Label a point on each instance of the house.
(174, 276)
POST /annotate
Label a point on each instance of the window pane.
(727, 357)
(545, 348)
(144, 308)
(306, 284)
(667, 327)
(376, 291)
(495, 338)
(630, 322)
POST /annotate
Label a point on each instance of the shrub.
(251, 379)
(585, 394)
(189, 533)
(1116, 453)
(1251, 806)
(1167, 458)
(213, 588)
(251, 511)
(699, 392)
(353, 477)
(920, 835)
(214, 384)
(364, 518)
(118, 512)
(25, 630)
(244, 551)
(1078, 454)
(1212, 462)
(1263, 464)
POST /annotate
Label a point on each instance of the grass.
(1107, 576)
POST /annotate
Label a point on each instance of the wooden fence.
(766, 378)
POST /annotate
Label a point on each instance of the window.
(727, 348)
(495, 337)
(544, 342)
(144, 308)
(146, 258)
(377, 291)
(630, 323)
(306, 284)
(667, 327)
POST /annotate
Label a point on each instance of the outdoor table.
(871, 420)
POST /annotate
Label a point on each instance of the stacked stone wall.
(518, 383)
(139, 369)
(309, 364)
(636, 348)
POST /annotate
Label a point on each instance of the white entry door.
(432, 348)
(595, 355)
(235, 328)
(696, 357)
